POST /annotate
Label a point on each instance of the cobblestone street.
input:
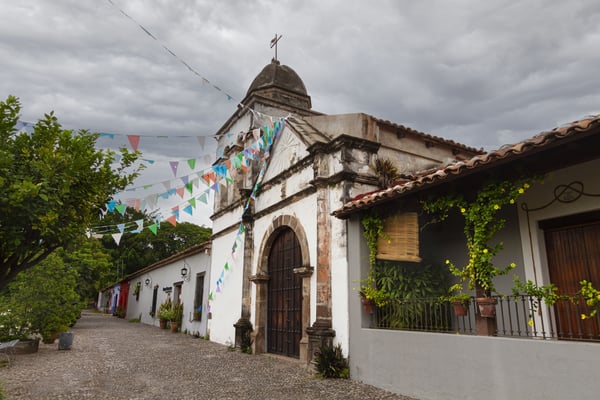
(114, 359)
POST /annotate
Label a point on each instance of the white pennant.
(117, 237)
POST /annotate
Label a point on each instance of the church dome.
(275, 75)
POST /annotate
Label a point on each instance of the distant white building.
(184, 277)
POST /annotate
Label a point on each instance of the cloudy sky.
(483, 73)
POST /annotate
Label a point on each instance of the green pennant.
(210, 296)
(192, 163)
(190, 187)
(192, 202)
(121, 208)
(153, 228)
(226, 267)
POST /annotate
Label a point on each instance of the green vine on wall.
(373, 230)
(481, 225)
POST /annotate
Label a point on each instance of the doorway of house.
(284, 297)
(573, 250)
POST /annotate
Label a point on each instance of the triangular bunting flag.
(174, 165)
(121, 208)
(202, 198)
(190, 187)
(180, 192)
(201, 141)
(134, 140)
(140, 226)
(226, 267)
(192, 202)
(117, 237)
(172, 220)
(121, 228)
(189, 210)
(192, 163)
(111, 205)
(153, 228)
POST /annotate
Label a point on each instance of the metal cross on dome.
(274, 44)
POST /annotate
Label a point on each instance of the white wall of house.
(166, 277)
(226, 305)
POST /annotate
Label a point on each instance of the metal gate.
(284, 301)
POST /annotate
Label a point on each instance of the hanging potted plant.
(481, 225)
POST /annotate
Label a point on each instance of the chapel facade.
(279, 267)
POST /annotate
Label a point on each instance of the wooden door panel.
(284, 300)
(574, 255)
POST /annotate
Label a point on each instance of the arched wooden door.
(284, 301)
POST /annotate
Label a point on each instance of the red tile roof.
(438, 175)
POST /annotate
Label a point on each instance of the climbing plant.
(482, 222)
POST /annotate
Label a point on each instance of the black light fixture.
(147, 282)
(185, 271)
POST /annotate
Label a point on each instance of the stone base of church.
(319, 335)
(243, 334)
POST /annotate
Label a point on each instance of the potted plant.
(460, 301)
(163, 313)
(175, 316)
(481, 225)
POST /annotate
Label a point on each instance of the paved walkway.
(114, 359)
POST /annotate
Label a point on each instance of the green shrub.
(330, 362)
(41, 300)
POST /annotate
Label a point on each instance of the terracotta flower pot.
(460, 308)
(173, 326)
(487, 306)
(367, 305)
(162, 324)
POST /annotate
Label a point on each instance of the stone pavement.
(114, 359)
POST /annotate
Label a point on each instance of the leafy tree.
(94, 267)
(44, 297)
(52, 183)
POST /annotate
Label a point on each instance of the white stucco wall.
(167, 276)
(226, 305)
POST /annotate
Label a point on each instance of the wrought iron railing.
(516, 316)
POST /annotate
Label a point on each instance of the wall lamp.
(185, 271)
(147, 282)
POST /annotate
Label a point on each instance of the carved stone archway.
(261, 279)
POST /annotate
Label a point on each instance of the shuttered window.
(402, 241)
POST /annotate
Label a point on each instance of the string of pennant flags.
(135, 140)
(204, 80)
(168, 50)
(213, 177)
(220, 281)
